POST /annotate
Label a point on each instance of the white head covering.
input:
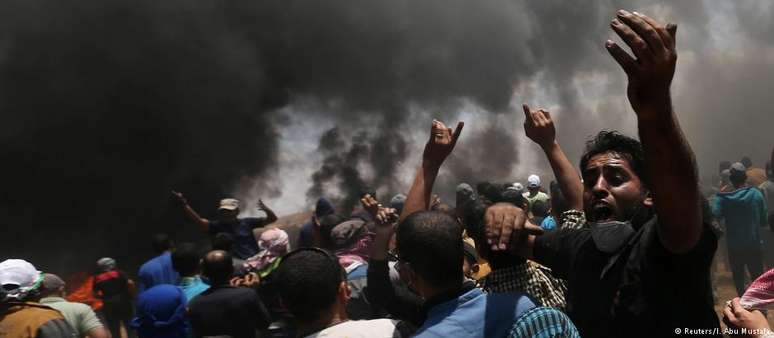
(18, 278)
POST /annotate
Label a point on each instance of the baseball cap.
(229, 204)
(533, 181)
(18, 277)
(517, 186)
(52, 282)
(737, 168)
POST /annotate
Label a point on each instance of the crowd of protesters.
(621, 248)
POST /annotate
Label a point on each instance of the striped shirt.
(543, 322)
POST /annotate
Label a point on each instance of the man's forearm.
(418, 198)
(381, 244)
(99, 332)
(672, 168)
(271, 217)
(194, 217)
(566, 176)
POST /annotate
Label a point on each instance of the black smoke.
(107, 105)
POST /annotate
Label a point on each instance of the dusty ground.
(724, 284)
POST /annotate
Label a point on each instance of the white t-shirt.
(377, 328)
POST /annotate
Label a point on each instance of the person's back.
(475, 314)
(228, 310)
(113, 287)
(32, 320)
(224, 309)
(80, 316)
(359, 329)
(312, 284)
(744, 211)
(158, 270)
(185, 260)
(20, 317)
(161, 313)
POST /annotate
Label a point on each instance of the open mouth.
(602, 212)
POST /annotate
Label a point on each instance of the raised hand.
(441, 143)
(651, 69)
(539, 127)
(382, 215)
(261, 206)
(370, 204)
(503, 220)
(179, 197)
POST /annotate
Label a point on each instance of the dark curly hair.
(613, 141)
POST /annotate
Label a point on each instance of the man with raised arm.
(430, 258)
(239, 229)
(539, 127)
(641, 266)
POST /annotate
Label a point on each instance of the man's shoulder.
(226, 294)
(41, 312)
(71, 306)
(150, 264)
(517, 301)
(360, 328)
(650, 242)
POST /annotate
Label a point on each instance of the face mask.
(609, 237)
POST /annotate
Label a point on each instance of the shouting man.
(641, 265)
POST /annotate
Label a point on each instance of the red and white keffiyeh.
(760, 294)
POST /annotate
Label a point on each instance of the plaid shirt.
(530, 278)
(544, 322)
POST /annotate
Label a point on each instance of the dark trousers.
(752, 259)
(115, 315)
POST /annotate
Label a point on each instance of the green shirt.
(540, 196)
(80, 316)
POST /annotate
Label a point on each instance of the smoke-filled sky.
(107, 105)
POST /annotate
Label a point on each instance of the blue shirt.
(157, 271)
(548, 223)
(475, 314)
(161, 313)
(192, 286)
(245, 245)
(745, 212)
(306, 235)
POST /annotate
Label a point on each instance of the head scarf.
(22, 276)
(760, 294)
(352, 242)
(273, 243)
(106, 264)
